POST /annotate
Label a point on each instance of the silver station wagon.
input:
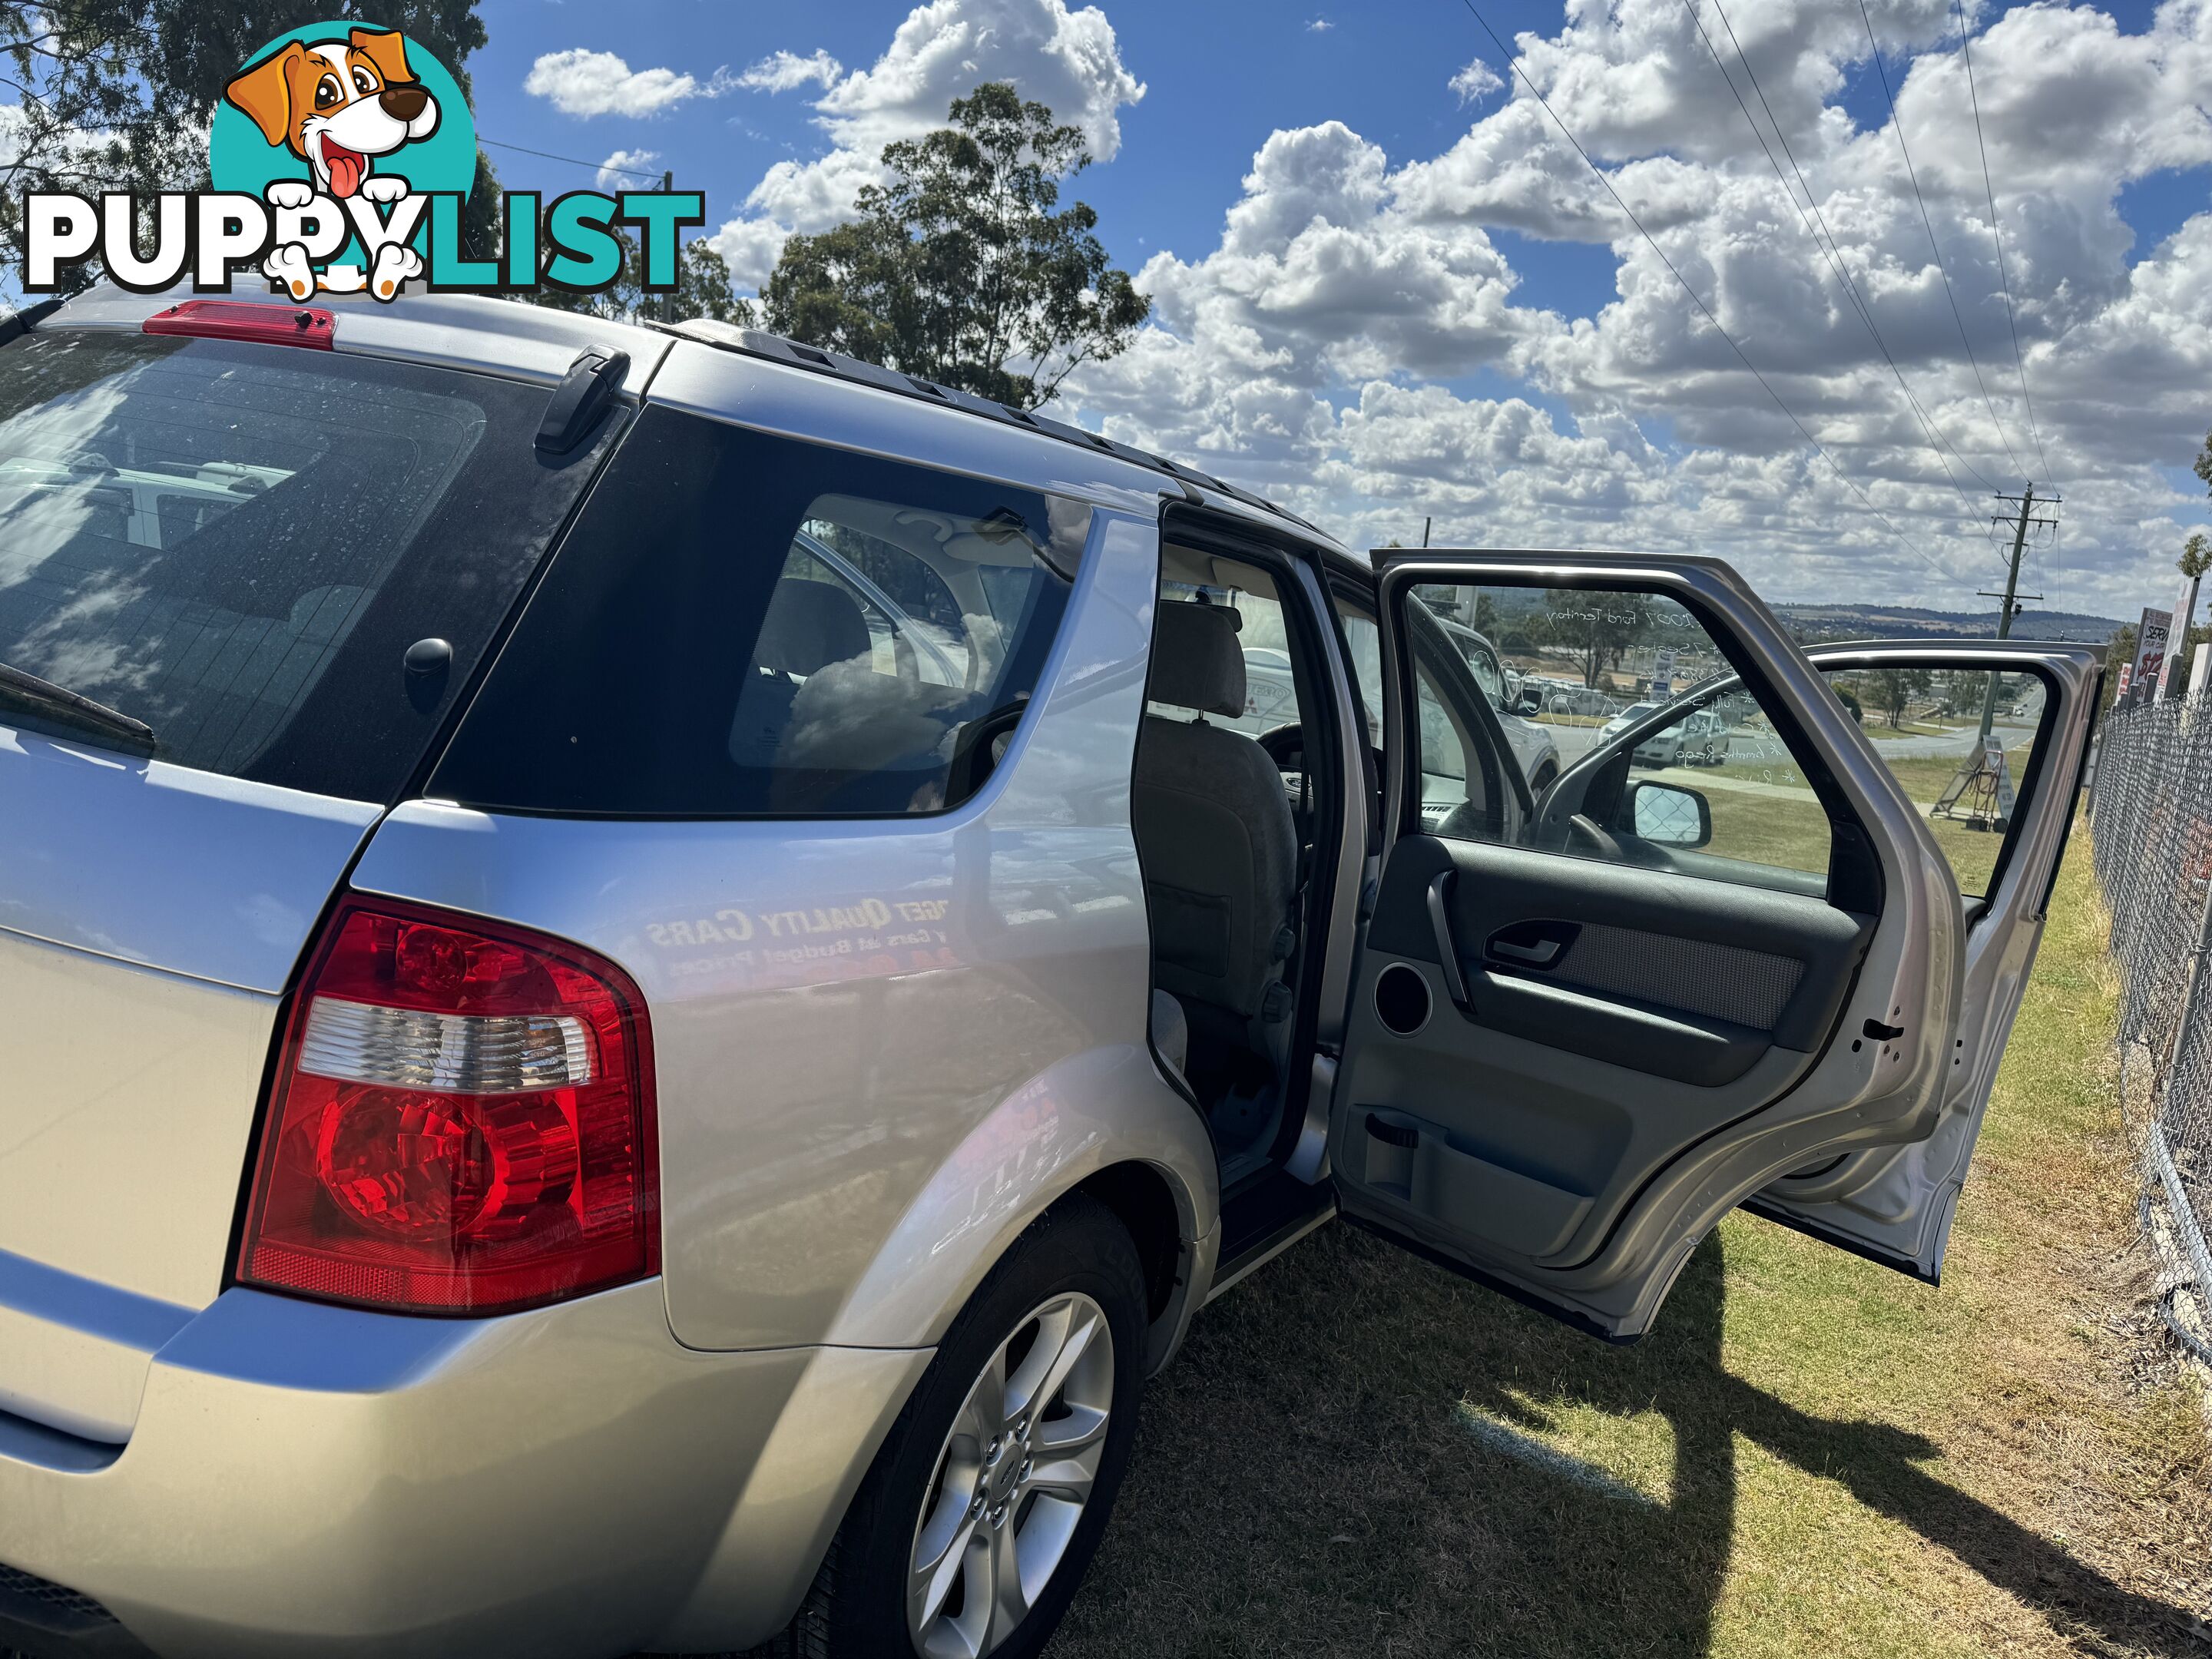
(645, 973)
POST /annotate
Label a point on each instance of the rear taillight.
(461, 1121)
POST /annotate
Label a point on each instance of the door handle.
(1535, 946)
(1447, 951)
(1542, 954)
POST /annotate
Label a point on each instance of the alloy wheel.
(1012, 1480)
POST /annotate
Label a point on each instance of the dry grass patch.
(1359, 1453)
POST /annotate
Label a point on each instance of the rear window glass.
(742, 625)
(237, 543)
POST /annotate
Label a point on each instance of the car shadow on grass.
(1354, 1456)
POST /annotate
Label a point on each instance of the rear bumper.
(305, 1480)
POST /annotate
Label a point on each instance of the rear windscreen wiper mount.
(47, 706)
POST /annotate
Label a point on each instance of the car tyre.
(1546, 775)
(1075, 1264)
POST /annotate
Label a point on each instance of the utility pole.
(2011, 596)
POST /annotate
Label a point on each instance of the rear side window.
(744, 625)
(237, 543)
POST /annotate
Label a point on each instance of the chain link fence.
(2151, 816)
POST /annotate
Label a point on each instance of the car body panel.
(882, 1047)
(316, 1480)
(215, 879)
(149, 915)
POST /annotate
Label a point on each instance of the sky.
(1387, 289)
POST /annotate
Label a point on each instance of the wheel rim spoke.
(1064, 1336)
(1009, 1602)
(933, 1579)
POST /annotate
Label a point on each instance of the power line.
(1842, 266)
(1514, 63)
(1897, 125)
(1832, 255)
(1997, 235)
(572, 160)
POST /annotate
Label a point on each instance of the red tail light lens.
(461, 1121)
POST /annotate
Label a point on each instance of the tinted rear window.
(237, 543)
(742, 625)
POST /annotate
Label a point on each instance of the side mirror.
(1666, 815)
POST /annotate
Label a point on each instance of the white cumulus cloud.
(1476, 82)
(782, 71)
(587, 83)
(1067, 59)
(621, 170)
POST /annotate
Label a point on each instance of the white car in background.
(1531, 745)
(1697, 739)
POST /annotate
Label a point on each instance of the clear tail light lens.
(461, 1120)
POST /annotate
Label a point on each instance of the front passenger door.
(1572, 1047)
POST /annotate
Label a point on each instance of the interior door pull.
(1447, 951)
(1542, 954)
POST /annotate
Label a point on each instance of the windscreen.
(237, 543)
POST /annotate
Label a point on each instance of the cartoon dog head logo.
(347, 133)
(338, 105)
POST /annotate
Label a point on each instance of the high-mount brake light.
(315, 327)
(461, 1120)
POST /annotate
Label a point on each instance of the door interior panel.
(1594, 1021)
(1776, 964)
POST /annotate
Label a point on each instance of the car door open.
(1569, 1052)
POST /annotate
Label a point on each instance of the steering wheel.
(1285, 746)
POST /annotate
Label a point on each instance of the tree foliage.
(2196, 555)
(100, 95)
(963, 268)
(1894, 689)
(2204, 463)
(1597, 629)
(702, 289)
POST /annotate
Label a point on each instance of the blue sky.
(1419, 305)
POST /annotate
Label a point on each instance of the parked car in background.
(1626, 718)
(1700, 739)
(1535, 749)
(646, 982)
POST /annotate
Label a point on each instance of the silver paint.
(314, 1481)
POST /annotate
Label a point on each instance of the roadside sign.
(2150, 649)
(2184, 609)
(1662, 674)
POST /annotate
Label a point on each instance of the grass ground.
(1361, 1453)
(1786, 827)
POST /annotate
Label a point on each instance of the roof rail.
(728, 337)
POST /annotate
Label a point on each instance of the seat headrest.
(810, 625)
(1196, 663)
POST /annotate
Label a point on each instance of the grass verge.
(1360, 1454)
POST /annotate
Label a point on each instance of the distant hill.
(1815, 623)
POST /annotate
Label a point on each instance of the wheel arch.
(1106, 1123)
